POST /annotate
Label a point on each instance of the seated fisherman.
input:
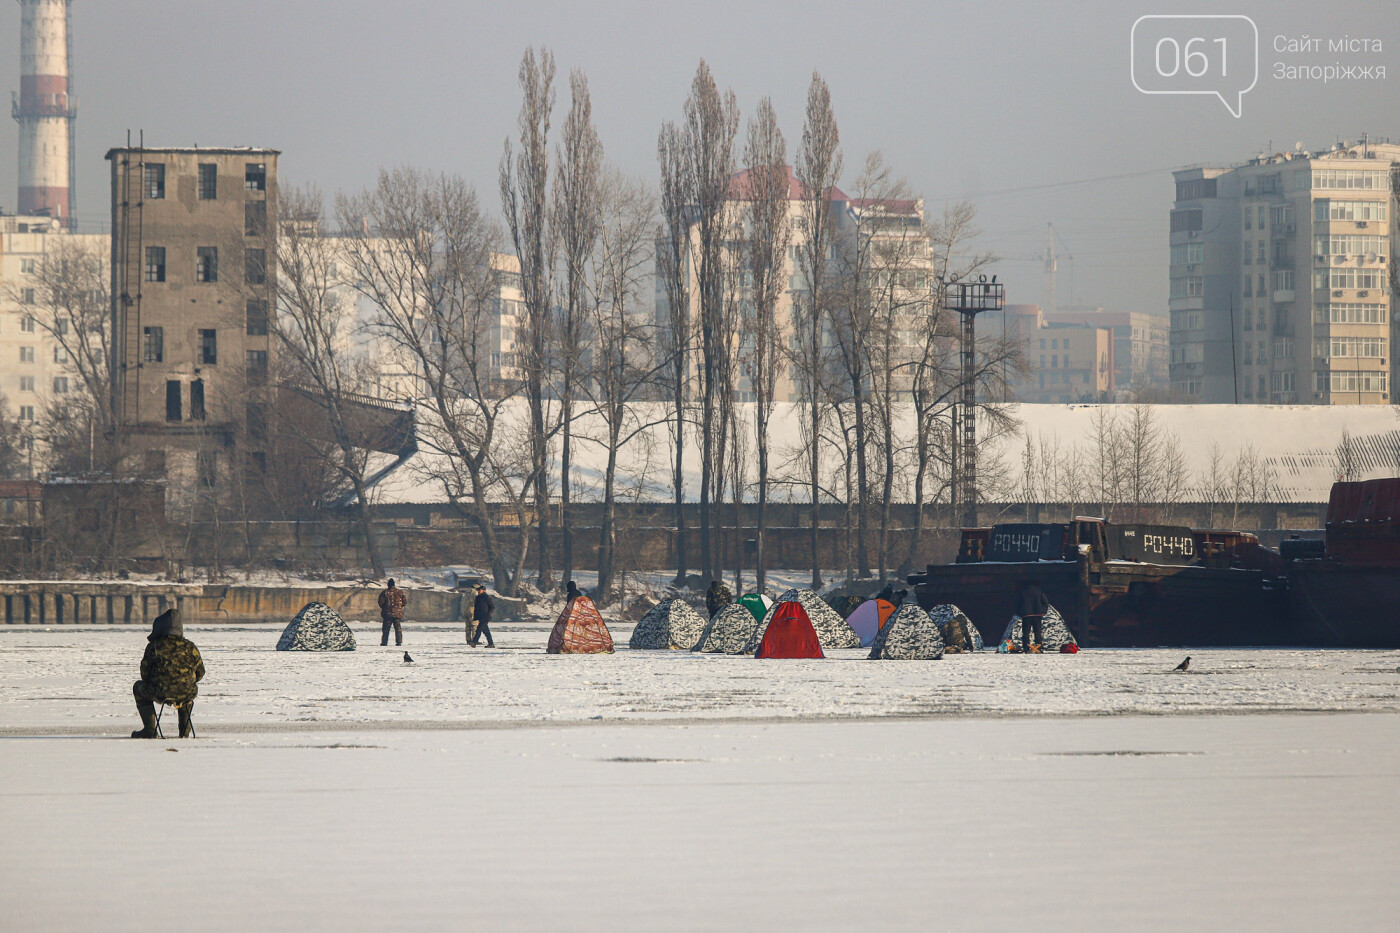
(170, 670)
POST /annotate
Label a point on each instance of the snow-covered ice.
(509, 789)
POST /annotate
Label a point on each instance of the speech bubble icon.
(1209, 54)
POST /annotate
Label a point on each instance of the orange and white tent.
(580, 630)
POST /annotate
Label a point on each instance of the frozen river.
(511, 790)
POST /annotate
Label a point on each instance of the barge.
(1119, 585)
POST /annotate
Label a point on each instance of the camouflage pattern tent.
(669, 624)
(580, 630)
(909, 635)
(1054, 631)
(317, 627)
(957, 629)
(729, 631)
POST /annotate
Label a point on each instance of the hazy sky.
(1025, 107)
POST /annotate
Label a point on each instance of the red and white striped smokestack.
(45, 111)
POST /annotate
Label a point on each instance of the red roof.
(739, 187)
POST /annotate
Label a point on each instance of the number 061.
(1191, 58)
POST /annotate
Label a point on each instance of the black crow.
(1180, 667)
(408, 660)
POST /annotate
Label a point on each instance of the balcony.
(1283, 296)
(1281, 230)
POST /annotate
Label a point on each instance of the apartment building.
(1280, 288)
(1067, 362)
(1141, 345)
(880, 242)
(35, 370)
(194, 231)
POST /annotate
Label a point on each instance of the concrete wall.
(58, 602)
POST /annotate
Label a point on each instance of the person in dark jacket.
(1031, 606)
(391, 605)
(572, 591)
(170, 671)
(717, 597)
(887, 594)
(482, 610)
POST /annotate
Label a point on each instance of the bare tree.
(1347, 459)
(711, 123)
(673, 269)
(66, 295)
(817, 170)
(769, 235)
(421, 251)
(576, 219)
(621, 367)
(308, 324)
(936, 375)
(524, 182)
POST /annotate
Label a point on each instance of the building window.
(197, 400)
(1249, 286)
(255, 218)
(26, 354)
(206, 267)
(172, 400)
(208, 181)
(1187, 221)
(26, 413)
(26, 383)
(27, 266)
(60, 354)
(155, 182)
(255, 266)
(26, 324)
(257, 365)
(26, 296)
(60, 385)
(155, 344)
(208, 347)
(255, 176)
(257, 421)
(155, 264)
(257, 318)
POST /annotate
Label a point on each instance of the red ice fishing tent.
(580, 630)
(790, 635)
(868, 618)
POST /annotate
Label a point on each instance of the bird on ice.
(408, 660)
(1180, 667)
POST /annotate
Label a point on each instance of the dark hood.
(167, 623)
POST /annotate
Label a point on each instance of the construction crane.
(1055, 250)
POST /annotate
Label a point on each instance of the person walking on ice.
(391, 606)
(482, 610)
(170, 671)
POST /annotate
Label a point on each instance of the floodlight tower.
(969, 299)
(45, 111)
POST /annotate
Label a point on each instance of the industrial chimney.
(45, 111)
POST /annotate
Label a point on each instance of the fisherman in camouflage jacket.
(170, 672)
(718, 597)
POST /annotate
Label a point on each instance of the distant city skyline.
(1036, 125)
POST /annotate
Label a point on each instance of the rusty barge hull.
(1119, 604)
(1337, 605)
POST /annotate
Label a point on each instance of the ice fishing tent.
(317, 627)
(756, 603)
(868, 618)
(580, 630)
(1055, 633)
(669, 624)
(831, 629)
(959, 634)
(729, 631)
(790, 634)
(909, 635)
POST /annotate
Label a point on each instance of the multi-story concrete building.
(1141, 345)
(193, 233)
(1068, 362)
(881, 242)
(35, 370)
(1280, 289)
